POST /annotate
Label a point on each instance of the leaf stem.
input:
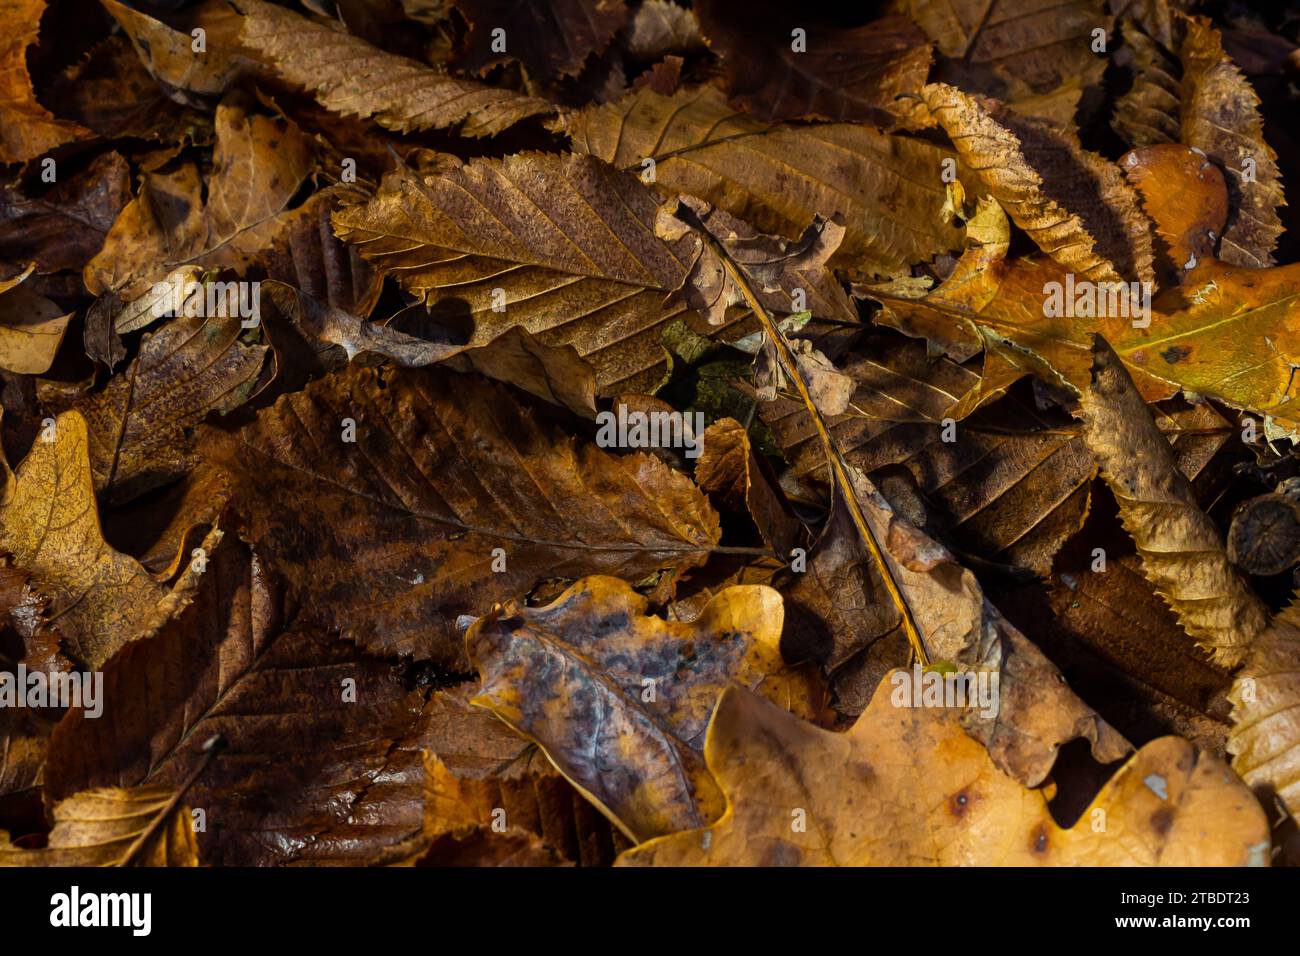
(835, 460)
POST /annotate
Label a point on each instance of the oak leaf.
(906, 787)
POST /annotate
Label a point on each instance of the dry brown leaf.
(1182, 550)
(1265, 736)
(168, 52)
(562, 246)
(480, 775)
(1035, 712)
(658, 27)
(398, 529)
(854, 73)
(138, 424)
(1201, 99)
(142, 826)
(1073, 203)
(65, 227)
(1039, 42)
(27, 129)
(322, 760)
(549, 37)
(102, 599)
(730, 471)
(349, 76)
(259, 165)
(906, 787)
(787, 276)
(887, 190)
(1220, 116)
(600, 684)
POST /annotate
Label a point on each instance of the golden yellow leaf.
(1225, 332)
(907, 787)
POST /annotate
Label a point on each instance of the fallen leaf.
(27, 129)
(833, 74)
(138, 424)
(549, 37)
(1182, 551)
(101, 598)
(406, 521)
(1203, 334)
(730, 471)
(349, 76)
(143, 826)
(906, 787)
(887, 190)
(169, 224)
(1073, 203)
(563, 247)
(599, 683)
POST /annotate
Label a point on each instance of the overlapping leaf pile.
(329, 336)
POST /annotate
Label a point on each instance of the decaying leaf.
(599, 683)
(426, 495)
(1203, 334)
(352, 77)
(1182, 551)
(27, 129)
(169, 224)
(144, 826)
(563, 247)
(887, 190)
(906, 787)
(190, 367)
(1040, 42)
(101, 599)
(322, 755)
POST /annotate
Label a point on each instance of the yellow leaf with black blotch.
(600, 683)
